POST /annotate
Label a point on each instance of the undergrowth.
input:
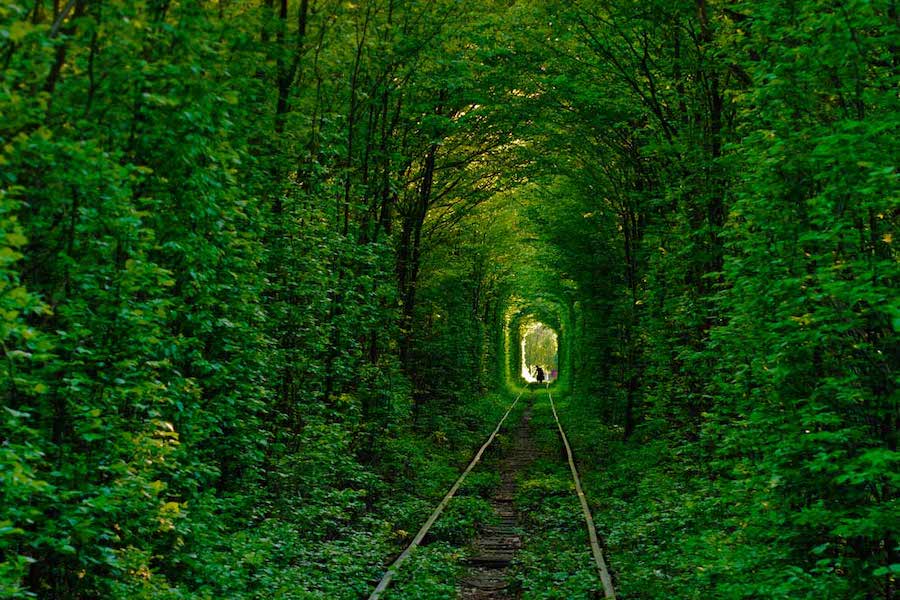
(556, 561)
(349, 518)
(645, 502)
(673, 530)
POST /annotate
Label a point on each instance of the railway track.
(487, 570)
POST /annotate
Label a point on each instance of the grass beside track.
(556, 560)
(433, 569)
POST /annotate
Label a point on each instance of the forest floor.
(555, 560)
(515, 528)
(488, 568)
(537, 546)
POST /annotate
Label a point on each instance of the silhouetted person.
(540, 375)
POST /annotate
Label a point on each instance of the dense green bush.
(261, 266)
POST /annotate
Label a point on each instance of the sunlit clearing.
(539, 349)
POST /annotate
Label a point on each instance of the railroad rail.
(392, 570)
(605, 579)
(603, 571)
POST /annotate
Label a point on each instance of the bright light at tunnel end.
(539, 346)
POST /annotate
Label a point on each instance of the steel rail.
(392, 570)
(608, 590)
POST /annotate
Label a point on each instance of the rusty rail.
(392, 570)
(608, 590)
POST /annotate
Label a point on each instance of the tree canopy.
(262, 265)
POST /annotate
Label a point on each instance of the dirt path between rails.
(487, 571)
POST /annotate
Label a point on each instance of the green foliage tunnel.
(264, 268)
